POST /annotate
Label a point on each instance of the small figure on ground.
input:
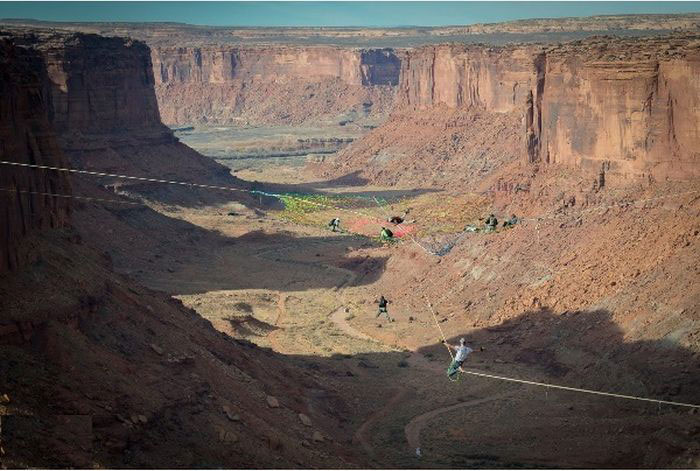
(491, 223)
(386, 234)
(511, 222)
(399, 219)
(462, 351)
(382, 308)
(334, 224)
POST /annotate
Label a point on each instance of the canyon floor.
(600, 296)
(284, 281)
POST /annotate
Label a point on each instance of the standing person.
(491, 223)
(461, 353)
(382, 308)
(334, 224)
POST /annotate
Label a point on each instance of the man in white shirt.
(462, 351)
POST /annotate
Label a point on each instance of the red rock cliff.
(629, 106)
(103, 106)
(634, 109)
(492, 79)
(100, 86)
(26, 136)
(225, 84)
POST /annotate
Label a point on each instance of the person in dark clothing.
(511, 222)
(491, 223)
(334, 224)
(382, 308)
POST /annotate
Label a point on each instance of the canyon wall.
(491, 79)
(633, 111)
(623, 106)
(26, 136)
(102, 104)
(281, 84)
(100, 88)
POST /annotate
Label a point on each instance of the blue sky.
(327, 13)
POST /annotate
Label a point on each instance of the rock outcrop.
(100, 86)
(272, 84)
(102, 104)
(26, 136)
(489, 79)
(632, 107)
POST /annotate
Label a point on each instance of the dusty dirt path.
(338, 318)
(281, 307)
(363, 434)
(281, 314)
(413, 428)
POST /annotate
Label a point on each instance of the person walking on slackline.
(461, 353)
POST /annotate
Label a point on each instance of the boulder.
(157, 349)
(272, 402)
(227, 437)
(231, 416)
(304, 419)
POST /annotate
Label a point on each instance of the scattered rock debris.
(304, 419)
(272, 402)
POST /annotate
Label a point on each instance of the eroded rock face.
(491, 79)
(224, 84)
(84, 101)
(102, 105)
(627, 106)
(380, 67)
(637, 114)
(26, 136)
(99, 87)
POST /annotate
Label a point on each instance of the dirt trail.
(281, 314)
(363, 433)
(414, 427)
(281, 307)
(338, 318)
